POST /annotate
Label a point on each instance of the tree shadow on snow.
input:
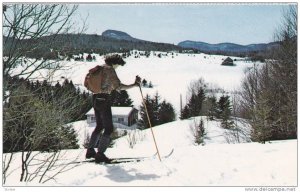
(118, 174)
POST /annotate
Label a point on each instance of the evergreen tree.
(166, 113)
(158, 112)
(223, 103)
(155, 103)
(150, 85)
(195, 104)
(225, 110)
(144, 82)
(212, 107)
(200, 133)
(185, 113)
(143, 123)
(121, 98)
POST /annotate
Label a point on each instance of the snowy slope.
(216, 163)
(248, 164)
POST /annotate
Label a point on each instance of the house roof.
(228, 59)
(115, 111)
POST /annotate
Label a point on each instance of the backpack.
(93, 79)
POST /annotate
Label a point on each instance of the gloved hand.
(137, 80)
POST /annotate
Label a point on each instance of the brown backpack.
(93, 79)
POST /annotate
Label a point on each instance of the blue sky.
(172, 23)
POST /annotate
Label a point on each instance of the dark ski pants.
(102, 107)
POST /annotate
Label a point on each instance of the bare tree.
(23, 26)
(33, 126)
(28, 121)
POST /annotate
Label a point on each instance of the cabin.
(126, 116)
(228, 62)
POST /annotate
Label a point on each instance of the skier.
(106, 82)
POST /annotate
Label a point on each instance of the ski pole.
(150, 123)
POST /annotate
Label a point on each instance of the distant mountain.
(118, 41)
(226, 47)
(119, 35)
(69, 44)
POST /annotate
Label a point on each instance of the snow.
(170, 75)
(227, 158)
(216, 163)
(123, 111)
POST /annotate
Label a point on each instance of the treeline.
(66, 91)
(67, 45)
(47, 47)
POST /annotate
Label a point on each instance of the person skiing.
(103, 85)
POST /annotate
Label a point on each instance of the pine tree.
(144, 82)
(143, 122)
(198, 131)
(195, 104)
(155, 102)
(150, 85)
(121, 99)
(212, 107)
(158, 112)
(225, 110)
(166, 113)
(185, 113)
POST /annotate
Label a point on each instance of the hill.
(120, 35)
(216, 163)
(73, 44)
(226, 47)
(118, 41)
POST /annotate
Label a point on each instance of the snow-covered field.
(170, 75)
(224, 159)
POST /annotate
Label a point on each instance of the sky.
(172, 23)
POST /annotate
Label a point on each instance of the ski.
(124, 159)
(129, 160)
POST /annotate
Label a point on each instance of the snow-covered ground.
(216, 163)
(170, 75)
(225, 159)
